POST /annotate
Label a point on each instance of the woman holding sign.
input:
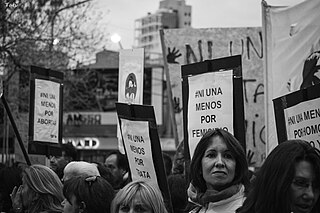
(219, 173)
(287, 182)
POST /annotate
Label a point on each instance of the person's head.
(105, 172)
(80, 168)
(138, 196)
(87, 194)
(68, 154)
(167, 163)
(41, 189)
(288, 180)
(118, 165)
(218, 162)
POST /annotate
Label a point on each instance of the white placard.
(210, 104)
(46, 111)
(131, 65)
(303, 122)
(130, 84)
(138, 148)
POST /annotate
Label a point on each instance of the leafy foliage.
(54, 34)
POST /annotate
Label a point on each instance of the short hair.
(70, 151)
(80, 168)
(46, 183)
(94, 191)
(149, 195)
(270, 191)
(122, 161)
(241, 172)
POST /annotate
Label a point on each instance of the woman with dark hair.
(87, 194)
(219, 173)
(287, 182)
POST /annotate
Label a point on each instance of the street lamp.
(116, 38)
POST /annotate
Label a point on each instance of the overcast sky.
(119, 15)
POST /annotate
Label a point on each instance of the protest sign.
(130, 84)
(298, 116)
(45, 122)
(212, 98)
(142, 145)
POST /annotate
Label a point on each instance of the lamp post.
(116, 38)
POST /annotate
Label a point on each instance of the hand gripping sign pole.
(14, 126)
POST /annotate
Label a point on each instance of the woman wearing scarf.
(218, 174)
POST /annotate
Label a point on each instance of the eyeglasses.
(303, 183)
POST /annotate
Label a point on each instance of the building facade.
(171, 14)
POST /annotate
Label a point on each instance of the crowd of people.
(218, 181)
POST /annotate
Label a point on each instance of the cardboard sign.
(298, 116)
(210, 104)
(212, 98)
(46, 111)
(45, 120)
(142, 145)
(138, 149)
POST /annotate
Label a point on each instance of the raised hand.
(173, 55)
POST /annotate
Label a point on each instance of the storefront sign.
(83, 143)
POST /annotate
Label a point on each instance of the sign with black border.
(46, 107)
(208, 69)
(141, 143)
(297, 115)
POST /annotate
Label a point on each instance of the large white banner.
(46, 111)
(130, 84)
(210, 104)
(189, 45)
(292, 45)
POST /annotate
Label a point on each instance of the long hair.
(48, 187)
(241, 173)
(271, 188)
(94, 191)
(149, 195)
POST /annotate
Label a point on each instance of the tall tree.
(47, 33)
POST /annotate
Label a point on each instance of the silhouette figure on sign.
(131, 88)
